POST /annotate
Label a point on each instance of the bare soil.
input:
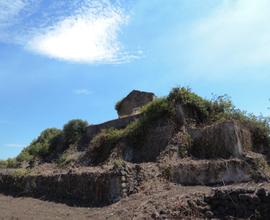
(155, 201)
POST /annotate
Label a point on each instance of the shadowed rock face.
(223, 140)
(85, 189)
(133, 101)
(155, 141)
(240, 203)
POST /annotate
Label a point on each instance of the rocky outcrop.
(154, 142)
(222, 140)
(209, 172)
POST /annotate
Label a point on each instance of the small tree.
(74, 130)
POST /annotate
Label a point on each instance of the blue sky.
(68, 59)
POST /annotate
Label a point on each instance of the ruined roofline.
(130, 104)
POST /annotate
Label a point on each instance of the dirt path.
(24, 208)
(29, 208)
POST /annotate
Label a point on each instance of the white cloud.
(15, 145)
(89, 36)
(82, 92)
(237, 33)
(85, 31)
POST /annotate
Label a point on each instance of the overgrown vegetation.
(74, 130)
(42, 146)
(50, 141)
(21, 172)
(200, 110)
(136, 130)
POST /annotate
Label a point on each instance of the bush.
(20, 172)
(24, 156)
(259, 127)
(191, 100)
(136, 130)
(74, 131)
(3, 164)
(107, 137)
(42, 146)
(12, 163)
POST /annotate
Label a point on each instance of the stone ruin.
(131, 104)
(220, 153)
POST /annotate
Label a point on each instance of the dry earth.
(154, 202)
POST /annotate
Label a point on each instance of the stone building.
(131, 104)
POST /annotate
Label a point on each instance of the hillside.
(179, 156)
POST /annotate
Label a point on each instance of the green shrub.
(136, 130)
(191, 100)
(3, 164)
(42, 146)
(107, 136)
(12, 163)
(259, 127)
(74, 130)
(20, 172)
(24, 156)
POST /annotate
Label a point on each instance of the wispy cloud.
(237, 33)
(82, 92)
(15, 145)
(9, 10)
(85, 31)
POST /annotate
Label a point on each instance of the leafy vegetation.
(74, 130)
(3, 164)
(42, 146)
(197, 109)
(20, 172)
(9, 163)
(49, 142)
(202, 111)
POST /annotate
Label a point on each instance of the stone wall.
(133, 101)
(119, 123)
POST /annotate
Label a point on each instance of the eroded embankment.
(86, 187)
(89, 188)
(240, 203)
(212, 172)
